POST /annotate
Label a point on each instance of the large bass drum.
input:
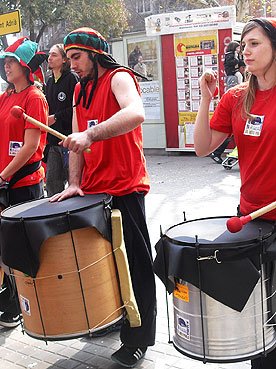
(63, 263)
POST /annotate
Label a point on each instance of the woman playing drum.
(248, 111)
(22, 143)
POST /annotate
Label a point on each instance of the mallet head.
(17, 112)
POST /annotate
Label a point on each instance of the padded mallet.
(235, 224)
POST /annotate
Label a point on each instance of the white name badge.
(91, 123)
(14, 147)
(253, 126)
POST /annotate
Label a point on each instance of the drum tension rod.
(211, 257)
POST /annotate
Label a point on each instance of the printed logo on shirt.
(14, 147)
(91, 123)
(61, 96)
(253, 126)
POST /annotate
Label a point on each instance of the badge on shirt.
(91, 123)
(61, 96)
(253, 126)
(14, 147)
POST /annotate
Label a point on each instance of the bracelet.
(2, 179)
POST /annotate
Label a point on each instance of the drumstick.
(208, 77)
(18, 112)
(235, 224)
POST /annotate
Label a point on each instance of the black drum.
(222, 292)
(63, 264)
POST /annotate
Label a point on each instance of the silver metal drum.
(229, 335)
(223, 291)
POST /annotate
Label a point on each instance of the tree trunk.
(40, 33)
(241, 6)
(4, 41)
(32, 28)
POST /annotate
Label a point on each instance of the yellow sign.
(182, 292)
(10, 23)
(195, 45)
(189, 117)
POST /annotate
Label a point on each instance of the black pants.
(22, 194)
(139, 255)
(268, 362)
(8, 297)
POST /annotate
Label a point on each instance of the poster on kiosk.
(192, 42)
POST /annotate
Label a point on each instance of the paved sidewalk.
(197, 186)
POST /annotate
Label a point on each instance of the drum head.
(214, 231)
(26, 226)
(44, 208)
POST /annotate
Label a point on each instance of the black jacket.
(59, 96)
(231, 64)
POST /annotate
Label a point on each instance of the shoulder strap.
(24, 171)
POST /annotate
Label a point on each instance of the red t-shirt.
(116, 166)
(256, 142)
(12, 129)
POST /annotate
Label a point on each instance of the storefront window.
(142, 57)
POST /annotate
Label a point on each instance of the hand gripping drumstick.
(18, 112)
(235, 224)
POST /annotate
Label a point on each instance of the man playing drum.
(107, 117)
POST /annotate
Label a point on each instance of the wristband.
(2, 179)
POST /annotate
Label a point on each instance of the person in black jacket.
(59, 94)
(232, 63)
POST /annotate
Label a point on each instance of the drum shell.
(221, 271)
(63, 303)
(229, 335)
(64, 265)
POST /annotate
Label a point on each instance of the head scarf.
(90, 40)
(86, 39)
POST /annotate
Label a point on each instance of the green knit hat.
(86, 39)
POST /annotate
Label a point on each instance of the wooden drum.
(64, 265)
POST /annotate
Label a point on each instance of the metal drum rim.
(236, 243)
(105, 202)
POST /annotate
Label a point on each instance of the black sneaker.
(216, 158)
(8, 320)
(128, 356)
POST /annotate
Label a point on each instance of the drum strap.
(24, 171)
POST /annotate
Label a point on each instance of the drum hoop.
(105, 202)
(244, 243)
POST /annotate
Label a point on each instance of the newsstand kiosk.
(191, 42)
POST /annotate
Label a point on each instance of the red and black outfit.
(12, 133)
(117, 166)
(30, 187)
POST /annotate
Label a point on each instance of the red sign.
(225, 36)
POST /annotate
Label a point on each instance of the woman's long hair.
(251, 85)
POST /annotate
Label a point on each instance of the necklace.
(18, 92)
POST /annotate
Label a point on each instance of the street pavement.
(179, 183)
